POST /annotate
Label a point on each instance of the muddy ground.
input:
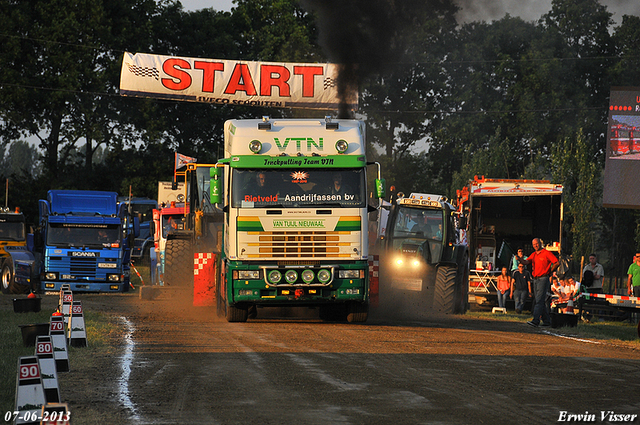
(172, 363)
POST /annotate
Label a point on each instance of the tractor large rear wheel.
(178, 263)
(444, 299)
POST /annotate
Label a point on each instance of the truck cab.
(84, 238)
(17, 264)
(294, 194)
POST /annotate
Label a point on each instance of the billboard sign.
(622, 166)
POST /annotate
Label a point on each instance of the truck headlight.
(113, 278)
(51, 276)
(274, 276)
(342, 146)
(324, 275)
(248, 274)
(351, 274)
(307, 276)
(291, 276)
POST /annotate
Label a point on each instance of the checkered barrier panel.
(200, 260)
(374, 280)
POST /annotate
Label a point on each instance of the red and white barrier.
(204, 273)
(374, 280)
(44, 353)
(618, 300)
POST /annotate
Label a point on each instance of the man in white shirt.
(598, 273)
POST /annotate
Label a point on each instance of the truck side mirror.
(215, 185)
(136, 226)
(380, 192)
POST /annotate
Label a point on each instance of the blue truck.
(85, 239)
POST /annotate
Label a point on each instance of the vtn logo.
(82, 254)
(311, 144)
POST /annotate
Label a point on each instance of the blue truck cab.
(85, 239)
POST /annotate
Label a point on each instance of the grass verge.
(623, 333)
(101, 331)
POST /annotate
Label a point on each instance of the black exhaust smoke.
(367, 36)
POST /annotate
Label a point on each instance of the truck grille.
(83, 267)
(301, 244)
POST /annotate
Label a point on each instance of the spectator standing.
(515, 261)
(504, 286)
(520, 287)
(598, 273)
(633, 281)
(543, 265)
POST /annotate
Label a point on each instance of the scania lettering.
(294, 193)
(84, 238)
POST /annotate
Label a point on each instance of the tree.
(20, 161)
(64, 71)
(574, 166)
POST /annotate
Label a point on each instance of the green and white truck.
(294, 194)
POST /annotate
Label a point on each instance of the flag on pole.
(182, 160)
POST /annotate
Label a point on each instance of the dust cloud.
(396, 303)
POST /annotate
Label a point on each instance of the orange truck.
(500, 216)
(18, 272)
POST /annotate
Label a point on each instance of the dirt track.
(180, 364)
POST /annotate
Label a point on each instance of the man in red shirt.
(543, 264)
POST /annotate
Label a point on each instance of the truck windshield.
(172, 222)
(11, 230)
(418, 223)
(71, 234)
(264, 188)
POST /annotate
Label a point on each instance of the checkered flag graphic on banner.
(140, 71)
(329, 82)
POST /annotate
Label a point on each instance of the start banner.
(246, 83)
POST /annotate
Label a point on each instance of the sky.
(486, 10)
